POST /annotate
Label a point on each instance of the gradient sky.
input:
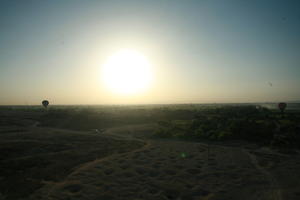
(204, 51)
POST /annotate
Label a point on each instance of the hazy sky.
(202, 51)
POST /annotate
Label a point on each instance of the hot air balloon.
(282, 107)
(45, 103)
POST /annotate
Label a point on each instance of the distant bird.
(45, 103)
(270, 84)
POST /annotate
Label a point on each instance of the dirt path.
(274, 186)
(164, 169)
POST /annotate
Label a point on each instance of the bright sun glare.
(127, 72)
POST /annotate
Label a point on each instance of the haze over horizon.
(190, 51)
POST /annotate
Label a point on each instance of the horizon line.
(137, 104)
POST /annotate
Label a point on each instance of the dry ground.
(169, 169)
(127, 163)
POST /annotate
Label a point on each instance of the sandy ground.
(169, 169)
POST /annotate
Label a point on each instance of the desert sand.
(169, 169)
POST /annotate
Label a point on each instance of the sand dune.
(168, 169)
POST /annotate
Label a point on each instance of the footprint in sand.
(140, 162)
(199, 166)
(99, 167)
(140, 170)
(170, 172)
(179, 166)
(124, 166)
(297, 194)
(152, 173)
(121, 161)
(189, 186)
(73, 188)
(105, 163)
(156, 165)
(193, 171)
(127, 174)
(153, 191)
(211, 163)
(196, 193)
(109, 171)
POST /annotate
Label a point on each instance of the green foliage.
(85, 118)
(255, 124)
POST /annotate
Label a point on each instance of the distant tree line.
(251, 123)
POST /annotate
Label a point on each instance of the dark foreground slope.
(31, 156)
(172, 169)
(41, 158)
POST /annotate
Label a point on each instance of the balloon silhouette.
(45, 103)
(282, 107)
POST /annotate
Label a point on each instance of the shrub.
(255, 124)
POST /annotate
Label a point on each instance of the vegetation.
(252, 123)
(86, 118)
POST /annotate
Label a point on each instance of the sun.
(127, 72)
